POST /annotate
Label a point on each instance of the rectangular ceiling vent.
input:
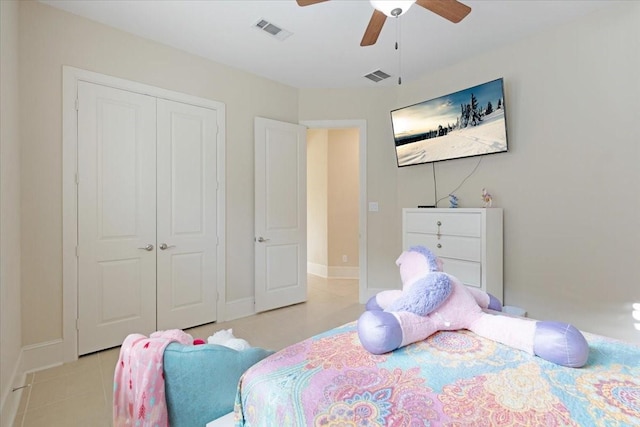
(377, 76)
(272, 29)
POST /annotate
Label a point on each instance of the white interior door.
(116, 216)
(280, 214)
(187, 215)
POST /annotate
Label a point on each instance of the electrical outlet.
(345, 258)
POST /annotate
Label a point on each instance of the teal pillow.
(201, 380)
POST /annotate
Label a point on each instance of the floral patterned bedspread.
(450, 379)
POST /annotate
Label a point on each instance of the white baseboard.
(329, 272)
(42, 356)
(11, 399)
(344, 272)
(9, 408)
(239, 308)
(317, 269)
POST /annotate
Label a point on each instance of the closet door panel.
(187, 215)
(116, 216)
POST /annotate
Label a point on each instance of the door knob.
(164, 246)
(262, 239)
(149, 247)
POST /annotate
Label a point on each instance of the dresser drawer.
(457, 247)
(454, 224)
(469, 273)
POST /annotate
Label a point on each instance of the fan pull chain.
(398, 33)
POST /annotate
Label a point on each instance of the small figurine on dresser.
(486, 198)
(453, 201)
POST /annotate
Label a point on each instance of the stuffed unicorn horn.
(432, 300)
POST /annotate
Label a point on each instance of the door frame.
(361, 125)
(70, 78)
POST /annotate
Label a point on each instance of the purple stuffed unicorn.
(432, 301)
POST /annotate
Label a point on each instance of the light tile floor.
(80, 393)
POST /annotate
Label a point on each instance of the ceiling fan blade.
(373, 29)
(452, 10)
(309, 2)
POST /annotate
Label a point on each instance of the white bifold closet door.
(146, 215)
(187, 219)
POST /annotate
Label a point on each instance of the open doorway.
(336, 188)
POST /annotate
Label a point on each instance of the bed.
(450, 379)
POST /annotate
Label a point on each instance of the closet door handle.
(148, 248)
(164, 246)
(262, 239)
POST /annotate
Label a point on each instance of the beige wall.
(568, 185)
(317, 226)
(343, 192)
(333, 194)
(49, 39)
(10, 329)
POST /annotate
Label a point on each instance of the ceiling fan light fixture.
(392, 8)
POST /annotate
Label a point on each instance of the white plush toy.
(225, 337)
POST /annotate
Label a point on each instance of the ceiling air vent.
(377, 76)
(272, 29)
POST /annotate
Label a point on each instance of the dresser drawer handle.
(439, 246)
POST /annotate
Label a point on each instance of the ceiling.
(324, 50)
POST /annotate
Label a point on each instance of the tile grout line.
(26, 404)
(104, 391)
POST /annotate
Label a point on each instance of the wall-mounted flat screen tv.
(470, 122)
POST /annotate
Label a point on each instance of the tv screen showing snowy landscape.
(470, 122)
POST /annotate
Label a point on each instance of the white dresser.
(469, 242)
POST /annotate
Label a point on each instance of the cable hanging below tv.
(470, 122)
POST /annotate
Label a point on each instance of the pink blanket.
(138, 391)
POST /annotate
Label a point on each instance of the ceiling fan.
(451, 10)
